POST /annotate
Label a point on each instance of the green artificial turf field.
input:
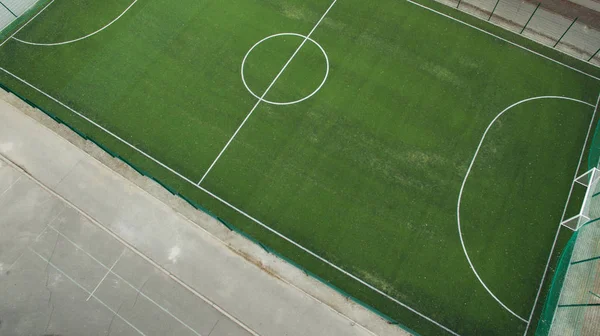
(366, 173)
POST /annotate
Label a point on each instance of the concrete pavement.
(85, 251)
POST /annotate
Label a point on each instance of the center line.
(266, 91)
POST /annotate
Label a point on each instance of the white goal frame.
(589, 180)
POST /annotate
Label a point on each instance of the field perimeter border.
(338, 268)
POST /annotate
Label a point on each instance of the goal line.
(560, 224)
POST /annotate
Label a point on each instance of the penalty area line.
(306, 38)
(537, 296)
(322, 259)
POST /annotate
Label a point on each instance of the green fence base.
(545, 320)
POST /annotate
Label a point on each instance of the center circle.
(290, 102)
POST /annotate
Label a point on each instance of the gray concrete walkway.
(62, 275)
(84, 251)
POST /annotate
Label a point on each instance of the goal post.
(590, 180)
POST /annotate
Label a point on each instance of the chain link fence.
(566, 26)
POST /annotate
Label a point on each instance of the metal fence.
(573, 303)
(556, 27)
(11, 10)
(572, 306)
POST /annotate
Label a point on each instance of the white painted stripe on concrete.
(85, 290)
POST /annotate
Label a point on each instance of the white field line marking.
(26, 23)
(77, 39)
(110, 270)
(537, 296)
(266, 91)
(503, 39)
(105, 275)
(85, 290)
(128, 245)
(352, 276)
(467, 177)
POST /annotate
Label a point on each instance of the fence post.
(565, 33)
(594, 55)
(458, 3)
(8, 9)
(493, 10)
(531, 17)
